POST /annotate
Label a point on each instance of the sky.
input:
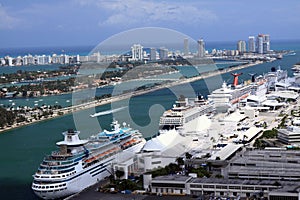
(36, 23)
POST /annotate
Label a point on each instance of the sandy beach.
(75, 108)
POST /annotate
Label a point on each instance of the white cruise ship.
(184, 112)
(226, 97)
(275, 77)
(79, 164)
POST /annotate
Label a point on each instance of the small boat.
(108, 112)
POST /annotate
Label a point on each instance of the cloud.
(6, 20)
(143, 12)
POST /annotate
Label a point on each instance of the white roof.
(293, 88)
(284, 94)
(296, 121)
(250, 133)
(153, 145)
(163, 141)
(171, 144)
(72, 143)
(257, 98)
(226, 152)
(282, 84)
(71, 139)
(259, 108)
(272, 103)
(253, 98)
(234, 117)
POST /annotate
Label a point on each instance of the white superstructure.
(184, 112)
(81, 163)
(226, 97)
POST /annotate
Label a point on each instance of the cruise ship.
(226, 97)
(275, 77)
(79, 164)
(184, 112)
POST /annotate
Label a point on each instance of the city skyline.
(88, 22)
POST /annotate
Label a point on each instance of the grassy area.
(268, 134)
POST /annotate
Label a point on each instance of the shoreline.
(96, 103)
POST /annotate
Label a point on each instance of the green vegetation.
(188, 155)
(268, 134)
(295, 113)
(282, 123)
(126, 184)
(7, 118)
(104, 96)
(200, 171)
(175, 168)
(169, 169)
(30, 90)
(119, 174)
(219, 176)
(180, 161)
(20, 75)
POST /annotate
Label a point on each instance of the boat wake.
(108, 111)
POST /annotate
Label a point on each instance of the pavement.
(91, 193)
(105, 196)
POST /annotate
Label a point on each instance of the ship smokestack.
(252, 77)
(236, 78)
(273, 69)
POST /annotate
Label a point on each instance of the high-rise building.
(201, 48)
(186, 46)
(259, 44)
(241, 46)
(77, 60)
(137, 52)
(163, 53)
(266, 43)
(9, 60)
(152, 54)
(263, 43)
(251, 44)
(95, 57)
(25, 60)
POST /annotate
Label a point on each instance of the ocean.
(23, 149)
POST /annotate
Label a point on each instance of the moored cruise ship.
(184, 112)
(79, 164)
(226, 97)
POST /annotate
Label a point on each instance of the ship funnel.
(236, 78)
(252, 77)
(273, 69)
(70, 130)
(199, 96)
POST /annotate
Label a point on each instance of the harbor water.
(23, 149)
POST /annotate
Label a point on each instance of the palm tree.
(188, 155)
(119, 174)
(180, 161)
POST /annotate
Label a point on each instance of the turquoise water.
(66, 99)
(69, 50)
(23, 149)
(14, 69)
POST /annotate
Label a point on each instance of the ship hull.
(78, 182)
(79, 164)
(85, 178)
